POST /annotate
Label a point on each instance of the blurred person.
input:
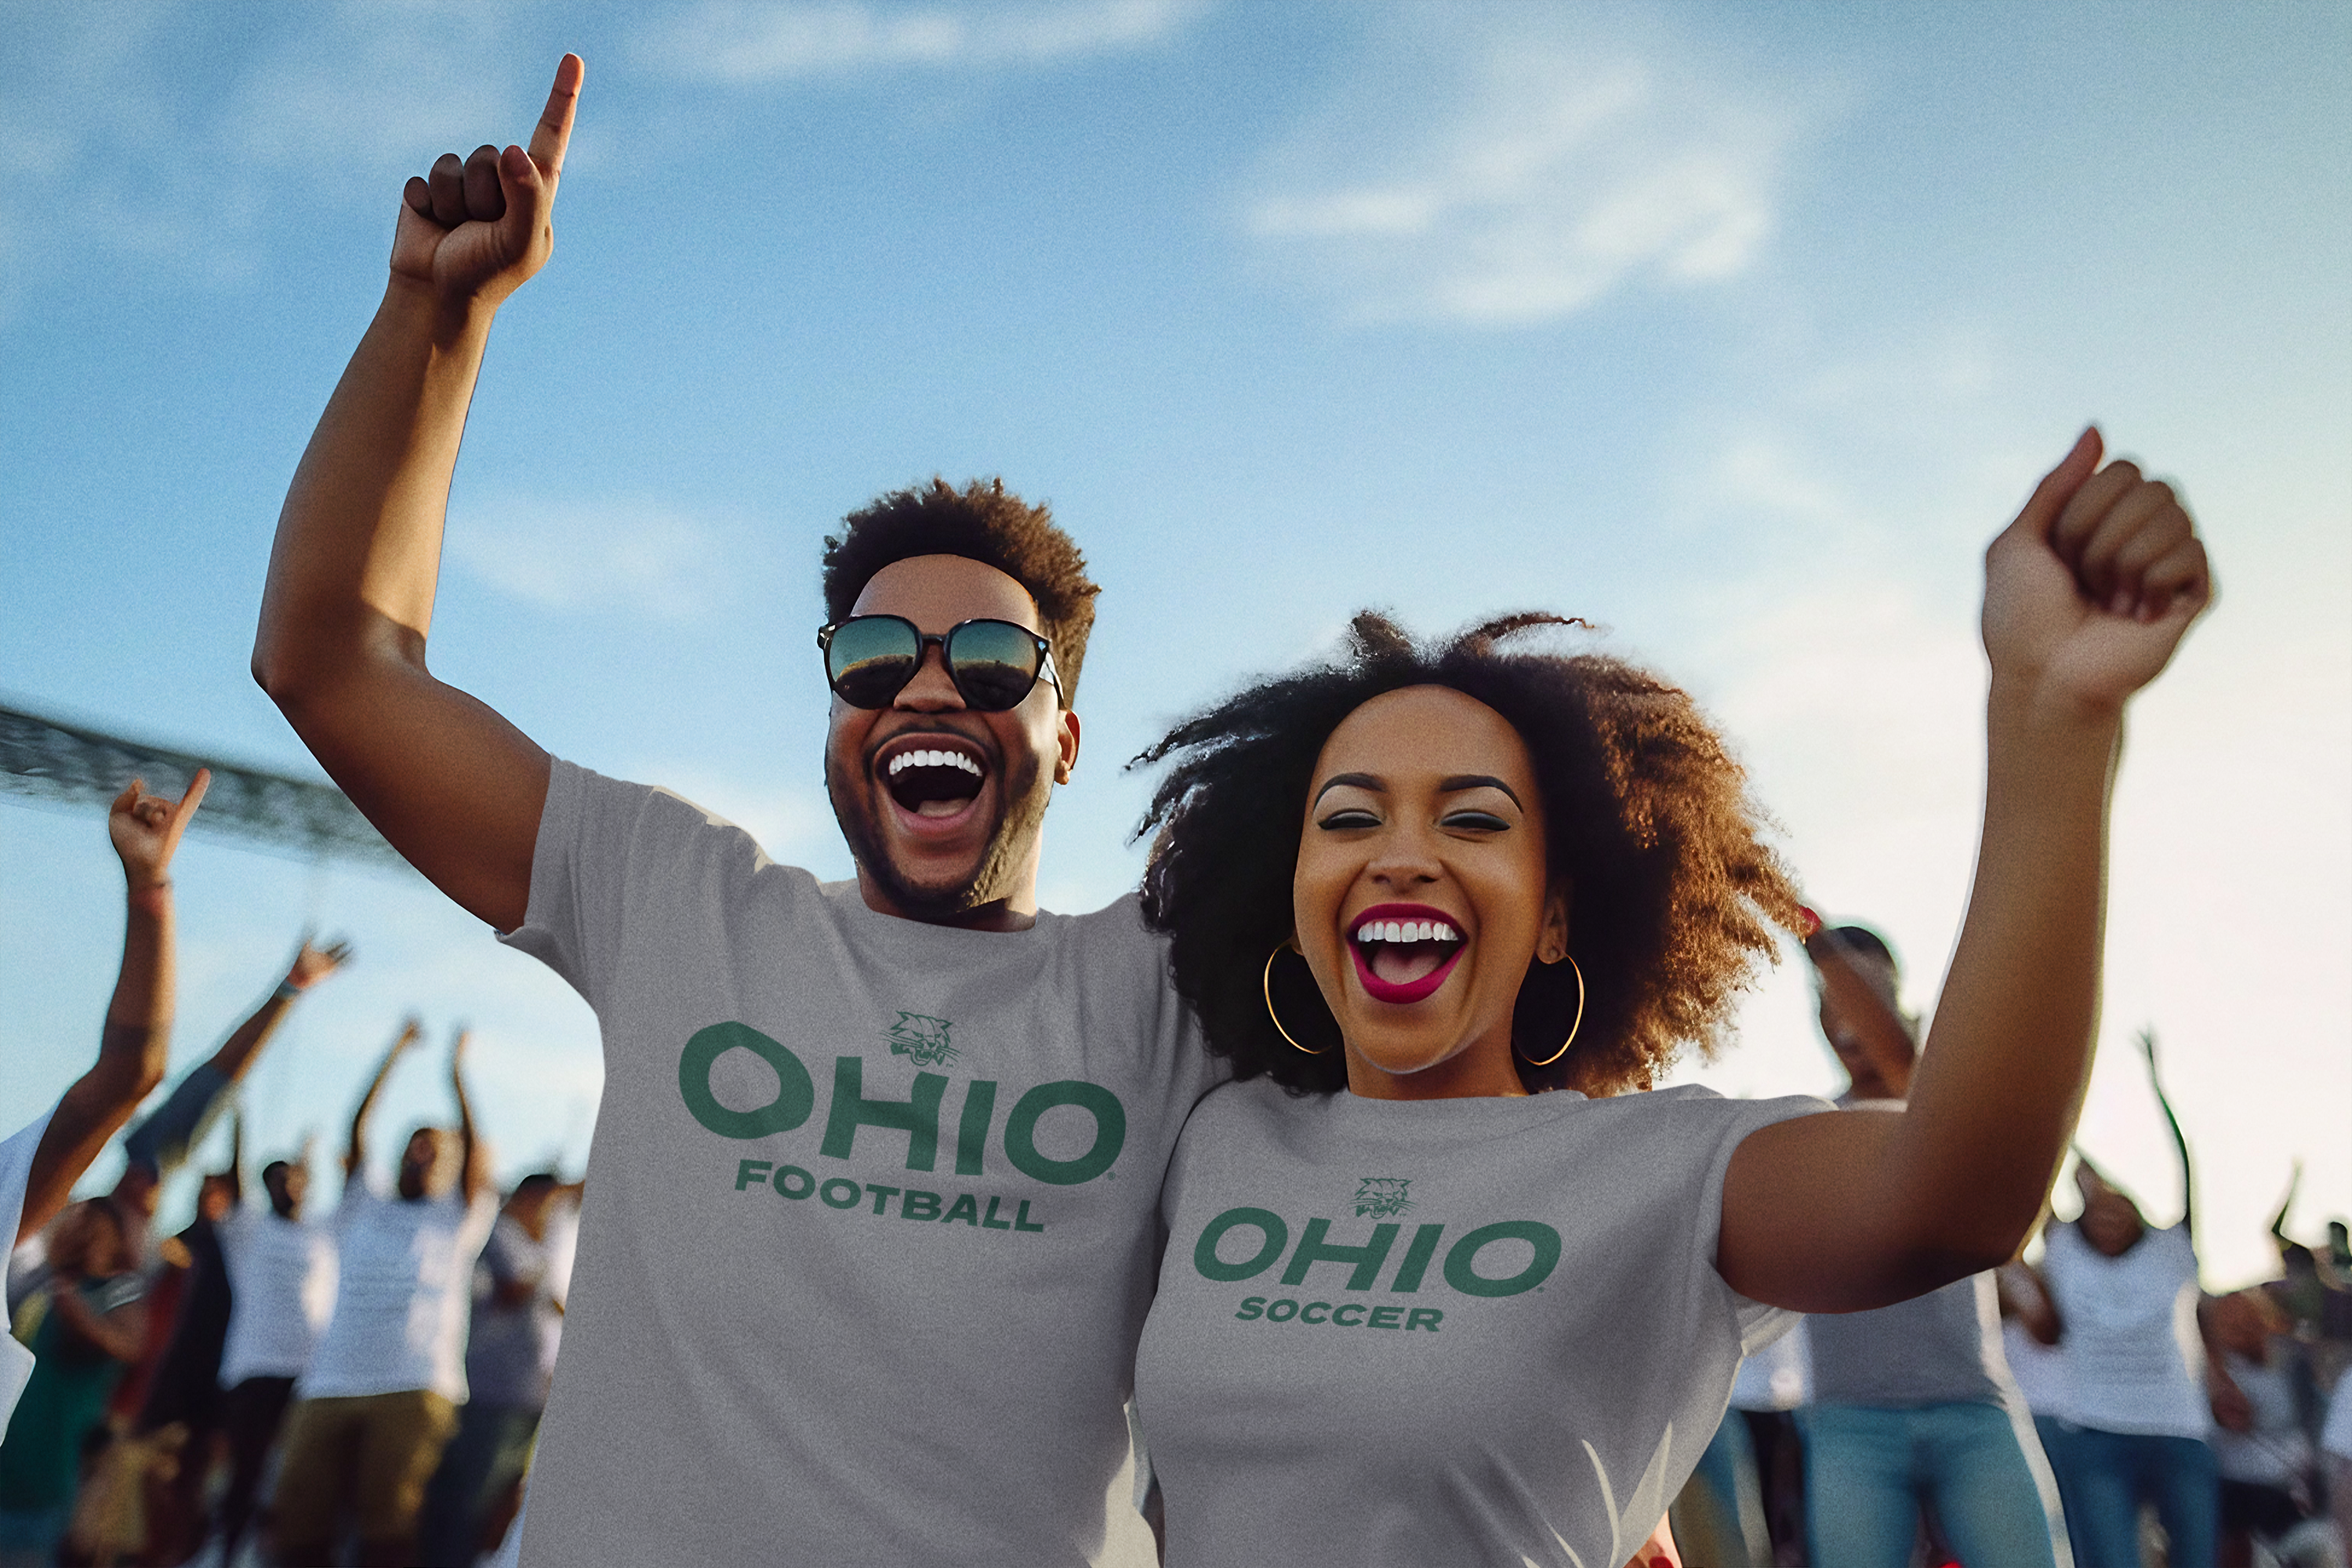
(1014, 1077)
(1435, 833)
(40, 1162)
(182, 1400)
(2314, 1288)
(2140, 1386)
(90, 1325)
(164, 1138)
(2262, 1446)
(1914, 1422)
(282, 1274)
(2037, 1362)
(509, 1356)
(379, 1399)
(2335, 1456)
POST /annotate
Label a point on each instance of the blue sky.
(1735, 332)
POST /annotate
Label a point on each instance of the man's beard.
(1020, 818)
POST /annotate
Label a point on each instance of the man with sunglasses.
(872, 1222)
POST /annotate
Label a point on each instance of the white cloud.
(751, 44)
(1518, 169)
(130, 133)
(648, 558)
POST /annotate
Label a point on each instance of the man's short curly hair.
(1648, 819)
(985, 522)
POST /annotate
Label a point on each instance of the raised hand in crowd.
(412, 1029)
(161, 1143)
(135, 1043)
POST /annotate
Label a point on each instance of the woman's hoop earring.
(1268, 988)
(1571, 1029)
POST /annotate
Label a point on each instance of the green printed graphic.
(1350, 1315)
(1021, 1132)
(914, 1203)
(1460, 1263)
(795, 1095)
(1274, 1236)
(1212, 1258)
(923, 1038)
(918, 1116)
(1383, 1195)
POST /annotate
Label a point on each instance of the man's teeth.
(906, 760)
(1406, 930)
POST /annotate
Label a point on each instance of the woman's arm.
(2086, 595)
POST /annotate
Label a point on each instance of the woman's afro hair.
(1674, 898)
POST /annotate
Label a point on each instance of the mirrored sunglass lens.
(995, 663)
(868, 660)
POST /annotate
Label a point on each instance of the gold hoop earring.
(1571, 1029)
(1267, 987)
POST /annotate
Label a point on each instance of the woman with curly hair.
(1412, 1310)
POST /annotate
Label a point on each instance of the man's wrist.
(417, 305)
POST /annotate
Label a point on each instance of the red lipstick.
(1403, 994)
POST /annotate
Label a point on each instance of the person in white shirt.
(40, 1162)
(281, 1274)
(379, 1400)
(2125, 1296)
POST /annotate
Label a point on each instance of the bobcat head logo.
(923, 1038)
(1383, 1195)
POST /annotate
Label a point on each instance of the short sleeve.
(17, 1171)
(559, 926)
(602, 844)
(1759, 1324)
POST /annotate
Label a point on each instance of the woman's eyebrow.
(1479, 781)
(1359, 781)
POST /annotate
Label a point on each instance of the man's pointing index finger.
(553, 133)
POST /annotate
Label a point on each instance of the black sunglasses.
(869, 659)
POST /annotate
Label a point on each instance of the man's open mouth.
(1403, 951)
(932, 776)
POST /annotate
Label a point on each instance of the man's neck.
(1017, 910)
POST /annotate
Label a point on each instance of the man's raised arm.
(455, 787)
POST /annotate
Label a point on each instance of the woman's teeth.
(1402, 951)
(1406, 930)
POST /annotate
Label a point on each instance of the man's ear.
(1551, 942)
(1067, 760)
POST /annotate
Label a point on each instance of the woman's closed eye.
(1348, 816)
(1471, 819)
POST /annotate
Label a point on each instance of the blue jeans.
(1718, 1519)
(1869, 1470)
(2106, 1475)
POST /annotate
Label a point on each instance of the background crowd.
(269, 1382)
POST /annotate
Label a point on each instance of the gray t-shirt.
(870, 1217)
(1440, 1332)
(1943, 1348)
